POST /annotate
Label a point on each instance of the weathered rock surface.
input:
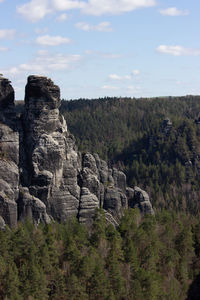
(139, 198)
(42, 175)
(6, 93)
(9, 154)
(52, 159)
(88, 205)
(31, 207)
(2, 223)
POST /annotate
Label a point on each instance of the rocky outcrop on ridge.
(42, 175)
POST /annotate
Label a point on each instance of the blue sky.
(97, 48)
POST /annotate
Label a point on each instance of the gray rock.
(115, 201)
(39, 155)
(9, 154)
(52, 157)
(63, 205)
(91, 181)
(8, 210)
(110, 219)
(88, 206)
(2, 223)
(32, 208)
(90, 163)
(139, 198)
(6, 93)
(102, 169)
(119, 180)
(129, 195)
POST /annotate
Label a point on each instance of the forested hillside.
(156, 141)
(153, 258)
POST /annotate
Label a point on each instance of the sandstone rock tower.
(42, 175)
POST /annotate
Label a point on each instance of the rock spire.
(42, 174)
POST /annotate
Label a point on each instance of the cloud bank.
(39, 9)
(44, 63)
(178, 50)
(47, 40)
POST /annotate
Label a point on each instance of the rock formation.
(139, 198)
(166, 126)
(42, 175)
(9, 155)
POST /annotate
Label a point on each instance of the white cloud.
(7, 33)
(110, 87)
(119, 78)
(115, 77)
(47, 40)
(3, 49)
(67, 4)
(135, 72)
(45, 63)
(40, 8)
(173, 12)
(96, 7)
(34, 10)
(178, 50)
(103, 26)
(1, 1)
(62, 18)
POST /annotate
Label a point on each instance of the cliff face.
(42, 175)
(9, 155)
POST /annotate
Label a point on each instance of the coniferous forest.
(156, 142)
(99, 150)
(154, 257)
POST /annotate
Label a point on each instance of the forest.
(154, 257)
(155, 141)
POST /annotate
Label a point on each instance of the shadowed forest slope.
(156, 141)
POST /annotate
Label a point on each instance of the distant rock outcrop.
(42, 175)
(166, 126)
(139, 198)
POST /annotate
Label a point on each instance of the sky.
(98, 48)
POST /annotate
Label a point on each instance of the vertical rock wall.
(9, 154)
(42, 176)
(52, 160)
